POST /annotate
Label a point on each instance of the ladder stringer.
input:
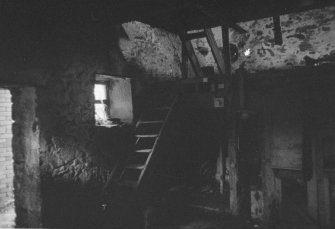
(144, 171)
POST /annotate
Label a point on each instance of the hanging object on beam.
(277, 30)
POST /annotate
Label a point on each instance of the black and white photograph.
(167, 114)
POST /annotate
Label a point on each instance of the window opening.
(101, 105)
(113, 101)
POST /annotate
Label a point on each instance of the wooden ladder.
(148, 131)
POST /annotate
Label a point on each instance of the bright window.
(113, 101)
(100, 91)
(101, 106)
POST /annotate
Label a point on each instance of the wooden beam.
(191, 54)
(192, 36)
(277, 30)
(217, 55)
(237, 28)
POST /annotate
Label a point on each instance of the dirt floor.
(291, 218)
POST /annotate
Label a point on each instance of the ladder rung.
(143, 151)
(146, 135)
(151, 122)
(135, 166)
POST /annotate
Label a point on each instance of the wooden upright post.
(184, 62)
(231, 166)
(226, 50)
(231, 160)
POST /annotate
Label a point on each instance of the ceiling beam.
(237, 28)
(277, 30)
(192, 36)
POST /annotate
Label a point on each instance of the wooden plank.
(143, 151)
(191, 55)
(217, 55)
(146, 135)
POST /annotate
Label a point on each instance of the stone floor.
(7, 217)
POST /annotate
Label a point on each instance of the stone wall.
(6, 154)
(76, 156)
(308, 39)
(158, 52)
(60, 57)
